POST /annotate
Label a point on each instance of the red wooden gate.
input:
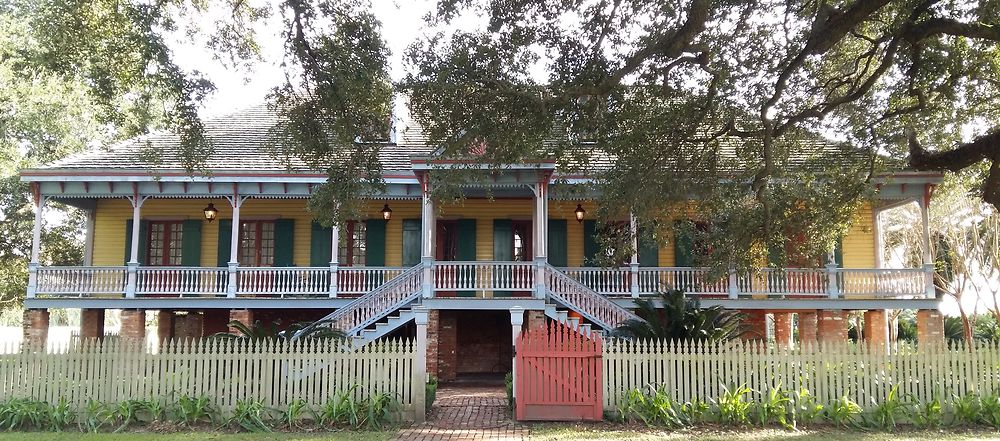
(558, 375)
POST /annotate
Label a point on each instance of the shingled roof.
(240, 142)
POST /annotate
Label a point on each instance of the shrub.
(928, 415)
(655, 409)
(967, 409)
(775, 408)
(805, 408)
(432, 387)
(886, 413)
(371, 413)
(733, 405)
(251, 415)
(509, 385)
(295, 412)
(843, 412)
(196, 410)
(989, 412)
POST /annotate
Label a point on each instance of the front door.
(521, 250)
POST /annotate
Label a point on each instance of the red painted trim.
(98, 173)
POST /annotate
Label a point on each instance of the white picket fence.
(225, 370)
(691, 370)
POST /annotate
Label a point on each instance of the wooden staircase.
(566, 292)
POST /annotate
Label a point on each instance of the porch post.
(133, 261)
(832, 287)
(734, 285)
(541, 230)
(420, 366)
(36, 242)
(88, 240)
(428, 226)
(925, 202)
(236, 201)
(516, 324)
(633, 264)
(334, 260)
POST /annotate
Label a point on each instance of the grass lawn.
(196, 436)
(563, 432)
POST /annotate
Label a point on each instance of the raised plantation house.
(238, 244)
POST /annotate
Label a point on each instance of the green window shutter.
(225, 240)
(503, 237)
(375, 242)
(466, 240)
(143, 240)
(411, 242)
(589, 242)
(683, 248)
(649, 249)
(320, 245)
(557, 243)
(284, 242)
(191, 243)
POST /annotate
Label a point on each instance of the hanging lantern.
(386, 212)
(580, 212)
(211, 212)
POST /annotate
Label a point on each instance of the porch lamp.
(386, 212)
(579, 213)
(210, 212)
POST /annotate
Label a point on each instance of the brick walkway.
(467, 412)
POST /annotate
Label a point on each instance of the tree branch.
(986, 147)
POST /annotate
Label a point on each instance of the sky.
(402, 22)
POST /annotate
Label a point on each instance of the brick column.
(244, 316)
(876, 329)
(755, 325)
(535, 319)
(164, 325)
(36, 326)
(930, 327)
(447, 345)
(433, 323)
(808, 327)
(91, 323)
(832, 326)
(133, 324)
(783, 329)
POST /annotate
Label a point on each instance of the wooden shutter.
(683, 248)
(411, 242)
(284, 242)
(503, 237)
(375, 242)
(649, 249)
(191, 243)
(143, 240)
(557, 243)
(589, 242)
(466, 249)
(320, 246)
(225, 240)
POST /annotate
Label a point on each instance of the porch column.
(36, 242)
(876, 329)
(633, 264)
(88, 238)
(428, 226)
(334, 260)
(541, 219)
(832, 287)
(236, 201)
(133, 261)
(516, 324)
(925, 220)
(783, 329)
(420, 319)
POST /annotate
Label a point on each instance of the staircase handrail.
(359, 313)
(604, 312)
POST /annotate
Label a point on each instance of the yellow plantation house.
(237, 243)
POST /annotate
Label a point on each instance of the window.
(256, 243)
(352, 250)
(165, 239)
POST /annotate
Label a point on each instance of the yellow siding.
(859, 243)
(112, 214)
